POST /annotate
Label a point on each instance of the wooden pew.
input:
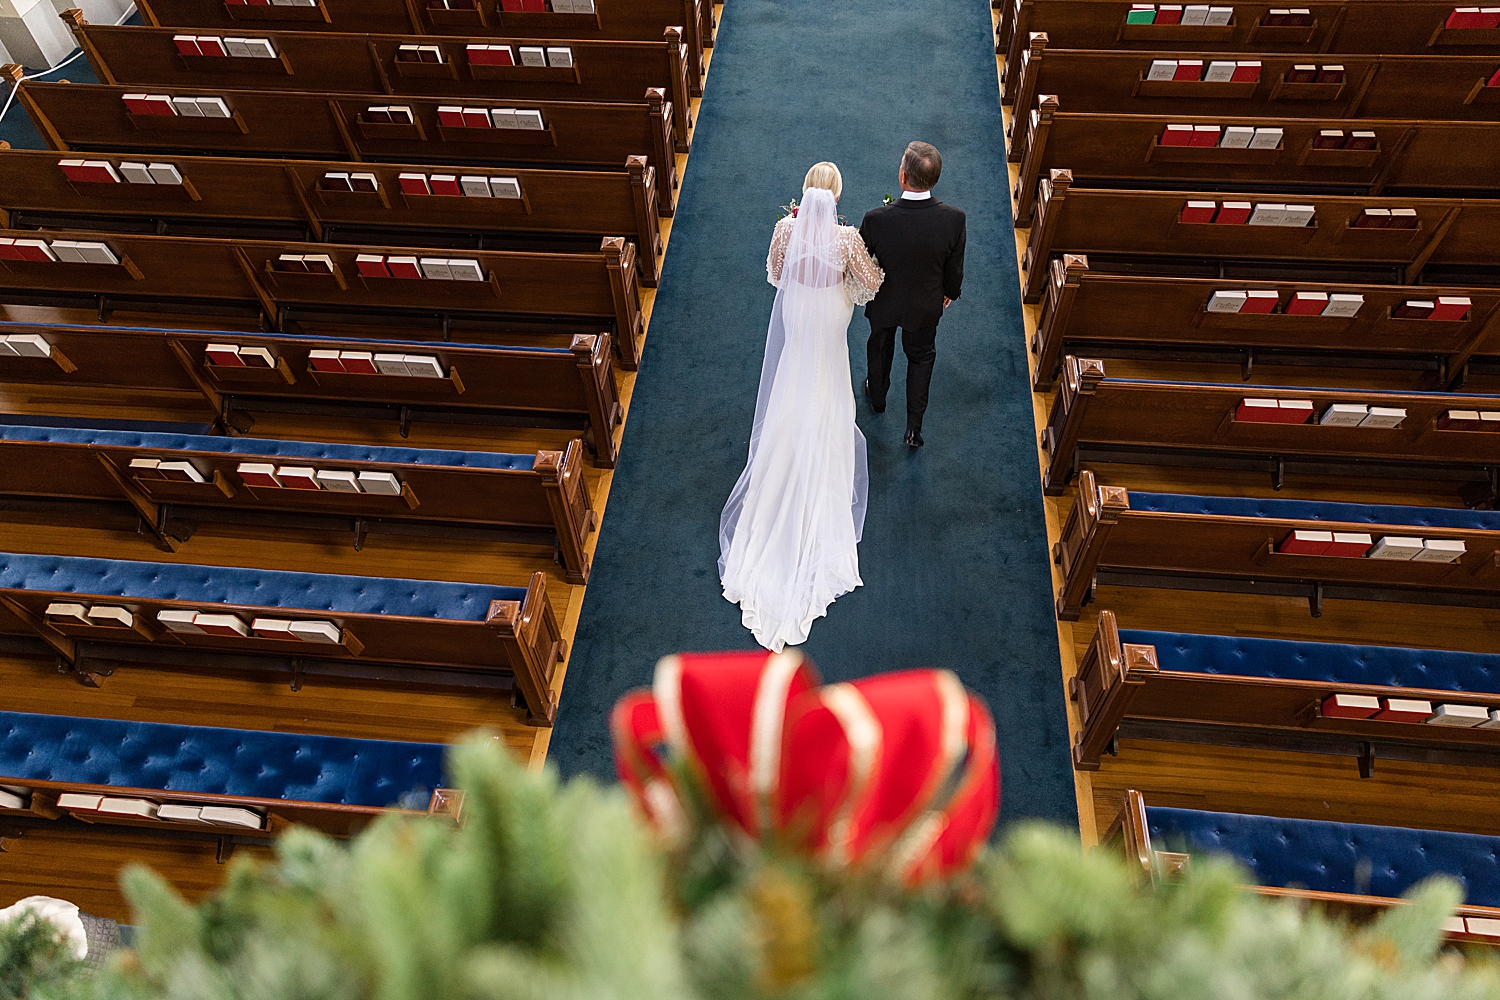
(1121, 420)
(1104, 222)
(526, 498)
(592, 288)
(1167, 540)
(1396, 26)
(1471, 923)
(452, 634)
(1394, 87)
(1270, 693)
(639, 20)
(1084, 312)
(1410, 156)
(572, 388)
(94, 117)
(572, 205)
(332, 63)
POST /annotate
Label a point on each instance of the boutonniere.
(887, 199)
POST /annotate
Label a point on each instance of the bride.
(788, 536)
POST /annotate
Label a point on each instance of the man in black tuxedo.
(919, 242)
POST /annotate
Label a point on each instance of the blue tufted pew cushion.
(1317, 510)
(1336, 663)
(255, 587)
(151, 755)
(262, 447)
(1334, 857)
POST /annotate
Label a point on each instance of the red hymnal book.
(1329, 138)
(414, 184)
(1233, 213)
(227, 355)
(291, 262)
(148, 104)
(1294, 411)
(324, 361)
(1463, 17)
(1373, 218)
(534, 6)
(380, 115)
(1302, 74)
(1257, 411)
(298, 477)
(402, 267)
(221, 624)
(1188, 69)
(476, 118)
(34, 250)
(445, 184)
(318, 263)
(1360, 140)
(371, 266)
(1460, 420)
(451, 117)
(1494, 79)
(501, 55)
(8, 249)
(1306, 543)
(1260, 301)
(358, 362)
(1246, 72)
(1205, 135)
(1414, 309)
(480, 55)
(1176, 135)
(1198, 212)
(90, 171)
(1350, 706)
(1307, 304)
(211, 45)
(1349, 544)
(1489, 17)
(1331, 74)
(1451, 308)
(336, 181)
(258, 474)
(514, 5)
(186, 44)
(1404, 710)
(1168, 14)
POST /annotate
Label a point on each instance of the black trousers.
(920, 346)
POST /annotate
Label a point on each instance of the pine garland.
(554, 892)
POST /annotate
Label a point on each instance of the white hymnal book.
(257, 357)
(340, 482)
(79, 800)
(67, 250)
(1219, 15)
(382, 483)
(111, 617)
(529, 120)
(272, 628)
(1462, 716)
(1298, 215)
(10, 800)
(1267, 214)
(73, 614)
(1226, 302)
(298, 477)
(232, 816)
(1482, 926)
(1343, 305)
(423, 366)
(1195, 14)
(1344, 415)
(504, 117)
(128, 807)
(220, 624)
(1237, 137)
(187, 107)
(465, 270)
(1266, 138)
(433, 268)
(506, 187)
(1494, 722)
(181, 813)
(96, 253)
(533, 55)
(1162, 69)
(1219, 72)
(179, 621)
(136, 173)
(237, 47)
(1398, 547)
(325, 632)
(1440, 550)
(475, 187)
(260, 48)
(212, 107)
(560, 56)
(28, 345)
(183, 472)
(1384, 416)
(164, 173)
(391, 364)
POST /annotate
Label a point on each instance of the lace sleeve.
(862, 273)
(777, 254)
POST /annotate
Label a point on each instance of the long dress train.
(789, 533)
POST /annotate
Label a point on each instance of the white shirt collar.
(915, 195)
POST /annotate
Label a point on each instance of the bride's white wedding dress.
(789, 533)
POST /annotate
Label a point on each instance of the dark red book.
(1307, 304)
(1246, 72)
(1451, 308)
(1205, 135)
(1329, 138)
(291, 262)
(1188, 69)
(1494, 79)
(1350, 706)
(1233, 213)
(1176, 135)
(371, 265)
(534, 6)
(451, 117)
(1414, 309)
(1198, 212)
(1361, 140)
(1168, 14)
(1331, 74)
(1404, 710)
(358, 362)
(401, 267)
(445, 184)
(186, 44)
(476, 118)
(1302, 74)
(1306, 543)
(1260, 301)
(1349, 544)
(512, 5)
(378, 115)
(414, 184)
(8, 249)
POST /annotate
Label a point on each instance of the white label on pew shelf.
(380, 482)
(10, 800)
(273, 628)
(1349, 544)
(391, 364)
(1344, 305)
(73, 614)
(179, 812)
(1384, 416)
(111, 617)
(220, 624)
(337, 481)
(1306, 543)
(179, 621)
(258, 474)
(1344, 415)
(1397, 547)
(128, 807)
(1350, 706)
(465, 270)
(1226, 302)
(1460, 420)
(327, 361)
(257, 357)
(78, 800)
(1462, 716)
(28, 345)
(1405, 710)
(182, 472)
(325, 632)
(506, 187)
(232, 816)
(422, 366)
(1483, 926)
(1494, 722)
(1162, 69)
(298, 477)
(1440, 550)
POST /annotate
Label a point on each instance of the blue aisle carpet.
(954, 555)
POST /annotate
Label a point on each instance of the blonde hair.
(825, 175)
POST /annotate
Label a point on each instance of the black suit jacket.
(920, 246)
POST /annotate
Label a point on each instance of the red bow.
(898, 769)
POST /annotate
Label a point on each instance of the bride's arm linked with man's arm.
(862, 274)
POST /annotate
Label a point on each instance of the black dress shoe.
(877, 407)
(913, 438)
